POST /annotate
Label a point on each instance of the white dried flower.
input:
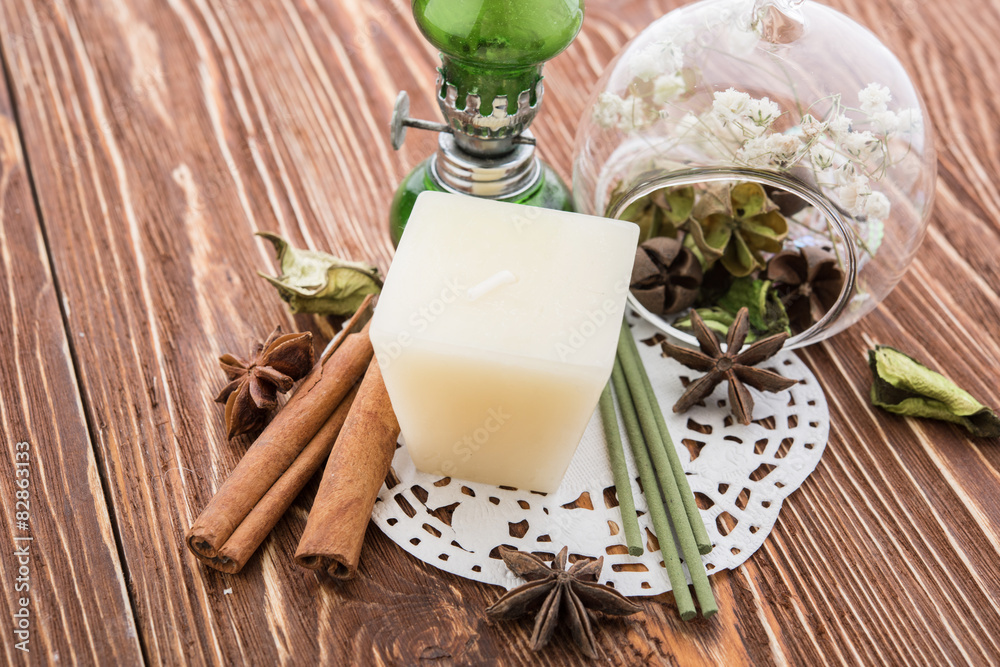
(840, 127)
(909, 120)
(887, 121)
(632, 115)
(811, 127)
(874, 99)
(860, 144)
(854, 194)
(784, 147)
(667, 87)
(756, 152)
(656, 59)
(607, 110)
(877, 206)
(763, 112)
(730, 105)
(822, 157)
(687, 124)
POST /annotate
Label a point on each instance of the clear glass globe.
(752, 130)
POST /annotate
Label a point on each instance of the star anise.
(273, 366)
(555, 593)
(809, 282)
(733, 366)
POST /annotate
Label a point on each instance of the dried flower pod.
(809, 281)
(661, 213)
(736, 366)
(666, 276)
(735, 224)
(557, 595)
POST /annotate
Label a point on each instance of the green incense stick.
(682, 594)
(623, 485)
(678, 515)
(690, 504)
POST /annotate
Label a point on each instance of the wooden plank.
(60, 574)
(162, 134)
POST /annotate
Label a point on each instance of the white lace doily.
(740, 475)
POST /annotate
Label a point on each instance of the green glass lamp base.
(549, 192)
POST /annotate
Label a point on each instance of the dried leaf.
(767, 312)
(316, 282)
(904, 386)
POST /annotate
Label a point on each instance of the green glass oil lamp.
(489, 90)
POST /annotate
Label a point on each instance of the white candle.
(496, 331)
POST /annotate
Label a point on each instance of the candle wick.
(499, 278)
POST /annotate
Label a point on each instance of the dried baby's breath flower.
(877, 206)
(763, 112)
(854, 195)
(730, 105)
(874, 99)
(811, 127)
(667, 87)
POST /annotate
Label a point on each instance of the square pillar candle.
(496, 332)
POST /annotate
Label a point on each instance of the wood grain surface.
(158, 135)
(60, 570)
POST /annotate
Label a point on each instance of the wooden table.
(142, 144)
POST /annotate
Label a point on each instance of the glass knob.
(497, 47)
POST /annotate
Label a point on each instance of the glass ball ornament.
(758, 129)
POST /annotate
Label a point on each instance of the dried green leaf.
(904, 386)
(767, 312)
(316, 282)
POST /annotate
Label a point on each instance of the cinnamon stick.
(354, 473)
(258, 524)
(292, 429)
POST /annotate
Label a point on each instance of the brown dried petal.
(788, 268)
(242, 416)
(764, 380)
(233, 366)
(738, 331)
(690, 358)
(740, 400)
(263, 393)
(816, 309)
(587, 570)
(229, 389)
(697, 391)
(579, 623)
(706, 339)
(270, 375)
(644, 270)
(762, 349)
(275, 335)
(548, 618)
(525, 565)
(604, 599)
(820, 263)
(519, 601)
(291, 354)
(559, 564)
